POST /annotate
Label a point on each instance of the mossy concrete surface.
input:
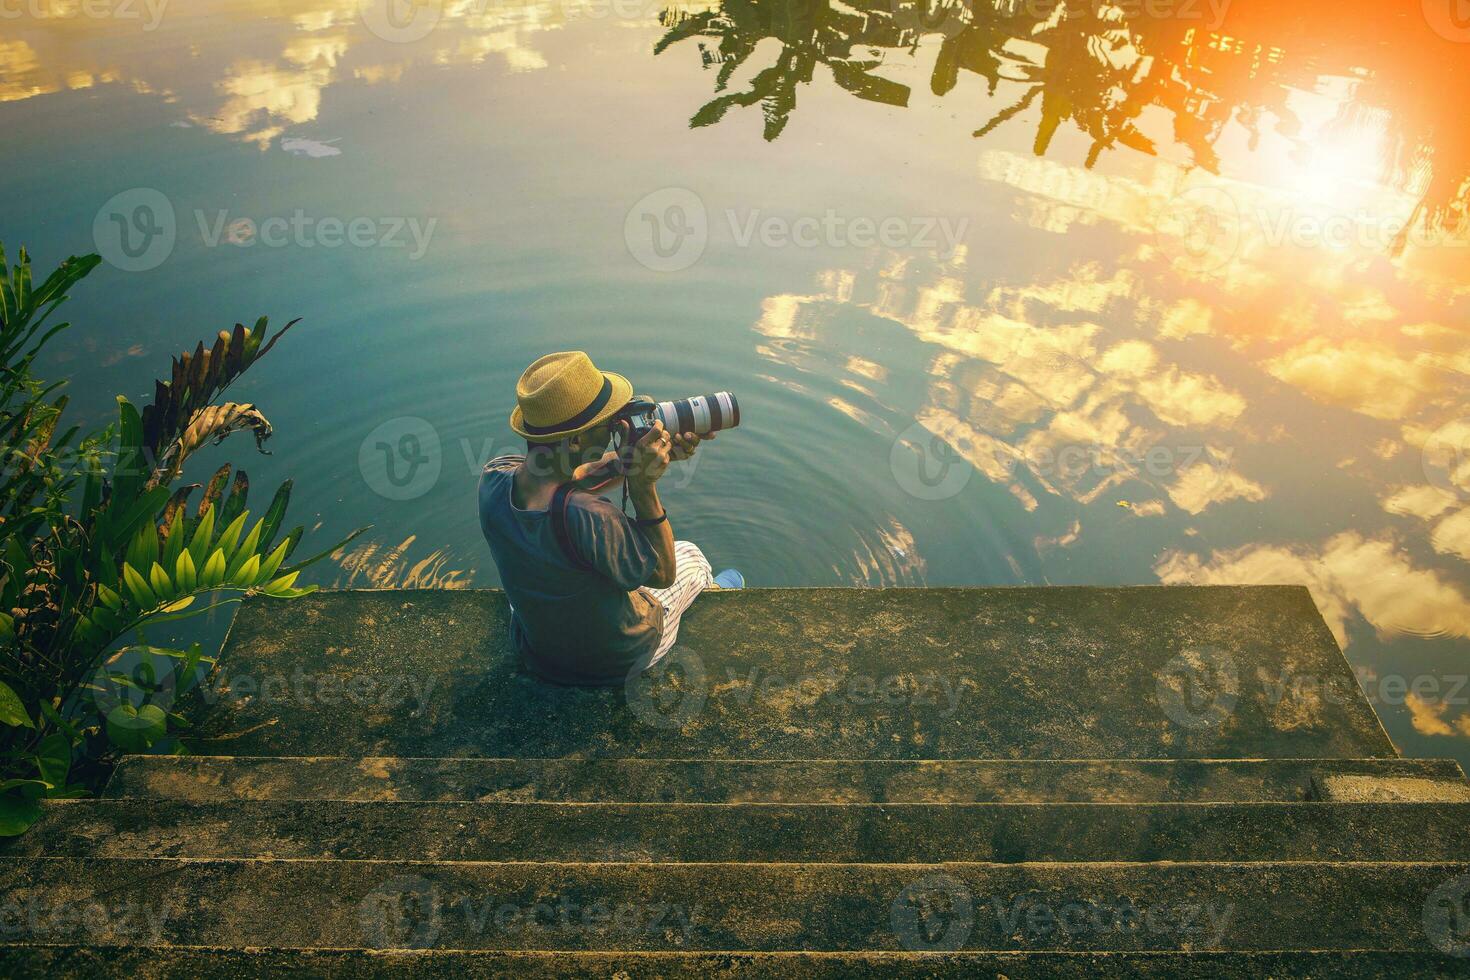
(844, 833)
(190, 963)
(386, 779)
(821, 783)
(750, 907)
(1061, 673)
(1386, 788)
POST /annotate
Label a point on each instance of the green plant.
(96, 545)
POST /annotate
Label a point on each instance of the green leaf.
(293, 593)
(92, 487)
(105, 619)
(231, 535)
(162, 585)
(185, 572)
(136, 729)
(244, 553)
(16, 558)
(33, 787)
(269, 566)
(138, 588)
(12, 709)
(158, 618)
(54, 716)
(89, 631)
(274, 514)
(187, 676)
(17, 813)
(176, 539)
(203, 536)
(132, 467)
(247, 574)
(293, 538)
(122, 526)
(109, 598)
(53, 759)
(282, 585)
(143, 549)
(214, 571)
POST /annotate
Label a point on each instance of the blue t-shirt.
(570, 625)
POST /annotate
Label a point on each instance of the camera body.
(700, 415)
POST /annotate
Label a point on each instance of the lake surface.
(1022, 294)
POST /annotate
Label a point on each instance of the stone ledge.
(1256, 906)
(378, 778)
(1013, 673)
(835, 833)
(192, 963)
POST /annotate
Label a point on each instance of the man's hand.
(597, 468)
(651, 456)
(685, 443)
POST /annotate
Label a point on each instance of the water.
(1156, 324)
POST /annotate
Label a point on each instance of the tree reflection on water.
(1100, 67)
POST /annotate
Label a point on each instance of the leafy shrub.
(96, 544)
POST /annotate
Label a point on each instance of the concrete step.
(772, 832)
(739, 907)
(192, 963)
(204, 778)
(1244, 672)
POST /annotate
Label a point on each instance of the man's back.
(571, 626)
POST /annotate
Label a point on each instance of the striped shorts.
(692, 576)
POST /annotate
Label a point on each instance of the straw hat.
(563, 394)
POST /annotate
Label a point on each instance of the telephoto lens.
(700, 415)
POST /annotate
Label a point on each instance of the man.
(606, 598)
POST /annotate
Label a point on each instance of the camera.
(700, 415)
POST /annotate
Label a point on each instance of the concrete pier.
(819, 783)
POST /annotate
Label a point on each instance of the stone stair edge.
(143, 802)
(146, 963)
(706, 760)
(761, 866)
(409, 952)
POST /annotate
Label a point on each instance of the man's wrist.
(645, 500)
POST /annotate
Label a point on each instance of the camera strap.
(560, 501)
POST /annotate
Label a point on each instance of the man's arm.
(651, 457)
(647, 506)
